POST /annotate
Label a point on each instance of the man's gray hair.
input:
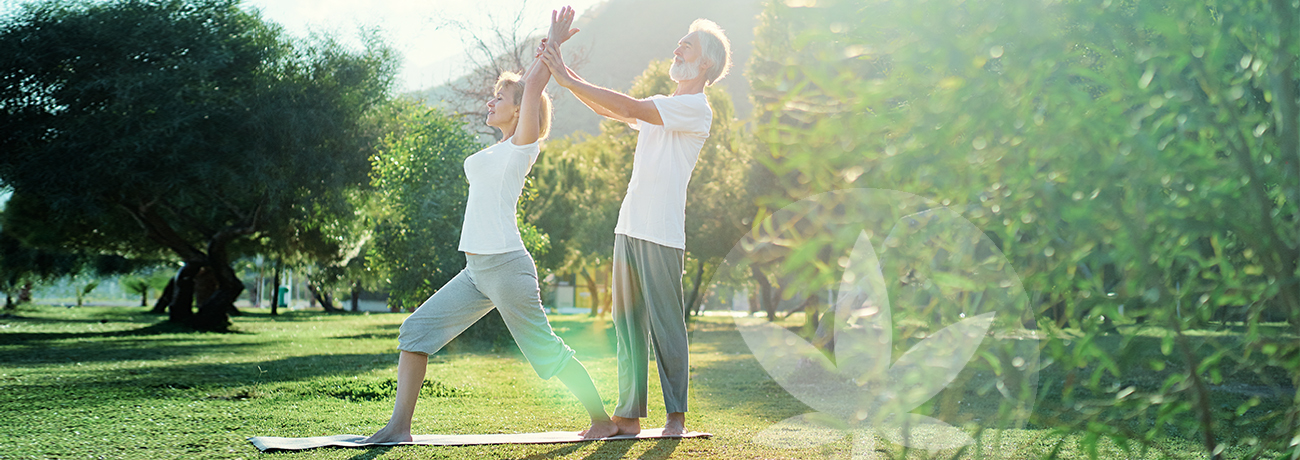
(714, 47)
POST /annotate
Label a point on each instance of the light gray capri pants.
(507, 282)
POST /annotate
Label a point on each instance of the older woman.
(499, 272)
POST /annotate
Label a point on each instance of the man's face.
(686, 59)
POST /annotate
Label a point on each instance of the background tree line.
(1135, 161)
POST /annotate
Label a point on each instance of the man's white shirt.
(654, 209)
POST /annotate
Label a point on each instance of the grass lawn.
(112, 382)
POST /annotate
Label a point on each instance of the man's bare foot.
(389, 434)
(600, 429)
(627, 425)
(675, 425)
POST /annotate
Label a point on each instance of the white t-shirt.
(654, 209)
(496, 178)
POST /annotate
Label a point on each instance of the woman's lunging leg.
(575, 376)
(411, 368)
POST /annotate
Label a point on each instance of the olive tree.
(193, 127)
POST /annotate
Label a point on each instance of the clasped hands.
(549, 48)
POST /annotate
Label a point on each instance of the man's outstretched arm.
(614, 104)
(600, 110)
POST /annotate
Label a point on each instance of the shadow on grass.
(22, 338)
(298, 315)
(371, 453)
(26, 348)
(373, 331)
(663, 448)
(206, 380)
(610, 449)
(558, 452)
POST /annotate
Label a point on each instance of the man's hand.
(541, 47)
(560, 26)
(555, 62)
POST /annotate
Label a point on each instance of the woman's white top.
(496, 178)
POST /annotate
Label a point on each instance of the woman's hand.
(555, 62)
(560, 26)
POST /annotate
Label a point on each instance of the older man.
(650, 237)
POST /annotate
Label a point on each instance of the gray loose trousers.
(648, 303)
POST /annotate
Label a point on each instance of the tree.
(187, 126)
(579, 184)
(22, 266)
(420, 185)
(502, 46)
(142, 283)
(1134, 160)
(421, 190)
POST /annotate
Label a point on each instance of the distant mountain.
(622, 37)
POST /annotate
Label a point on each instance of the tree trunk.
(205, 284)
(1287, 113)
(765, 297)
(275, 288)
(160, 305)
(181, 305)
(692, 300)
(592, 289)
(323, 296)
(214, 312)
(356, 293)
(9, 303)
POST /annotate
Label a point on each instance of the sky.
(432, 49)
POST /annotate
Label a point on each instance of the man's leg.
(660, 269)
(631, 329)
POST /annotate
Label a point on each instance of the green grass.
(112, 382)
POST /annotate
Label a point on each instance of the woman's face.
(502, 110)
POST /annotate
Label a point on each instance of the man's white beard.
(684, 71)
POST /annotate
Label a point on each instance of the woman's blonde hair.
(515, 82)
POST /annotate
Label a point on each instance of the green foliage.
(194, 120)
(363, 389)
(21, 264)
(1135, 161)
(580, 183)
(84, 290)
(421, 188)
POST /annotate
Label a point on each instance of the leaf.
(796, 365)
(864, 329)
(921, 432)
(801, 432)
(934, 362)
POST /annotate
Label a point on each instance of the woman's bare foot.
(600, 429)
(675, 425)
(627, 425)
(389, 434)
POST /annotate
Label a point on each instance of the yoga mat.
(272, 443)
